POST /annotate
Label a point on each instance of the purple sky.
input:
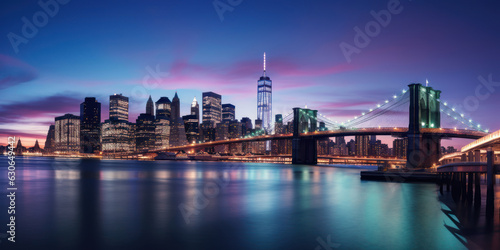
(91, 48)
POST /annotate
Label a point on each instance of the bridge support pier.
(423, 152)
(304, 151)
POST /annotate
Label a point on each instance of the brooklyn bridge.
(423, 110)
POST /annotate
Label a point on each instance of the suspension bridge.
(429, 121)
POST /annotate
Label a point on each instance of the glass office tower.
(265, 100)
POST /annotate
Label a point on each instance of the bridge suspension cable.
(460, 118)
(379, 110)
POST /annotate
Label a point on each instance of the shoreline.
(472, 223)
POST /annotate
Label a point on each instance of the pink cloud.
(45, 107)
(13, 72)
(238, 78)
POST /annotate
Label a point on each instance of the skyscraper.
(90, 126)
(118, 136)
(50, 146)
(162, 131)
(163, 122)
(246, 129)
(177, 130)
(145, 129)
(399, 147)
(228, 112)
(258, 124)
(264, 99)
(362, 145)
(118, 107)
(67, 133)
(117, 133)
(222, 133)
(176, 107)
(207, 132)
(195, 108)
(163, 108)
(150, 109)
(278, 146)
(191, 125)
(259, 147)
(246, 125)
(234, 132)
(145, 133)
(212, 108)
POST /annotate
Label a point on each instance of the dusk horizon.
(308, 68)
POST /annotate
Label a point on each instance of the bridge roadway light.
(386, 101)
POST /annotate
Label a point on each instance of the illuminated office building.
(265, 100)
(163, 108)
(212, 108)
(118, 107)
(67, 133)
(90, 126)
(228, 112)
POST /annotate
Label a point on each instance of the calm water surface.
(111, 204)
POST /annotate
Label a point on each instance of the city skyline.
(60, 76)
(126, 115)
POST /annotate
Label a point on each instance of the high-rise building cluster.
(160, 127)
(86, 134)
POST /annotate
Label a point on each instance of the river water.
(115, 204)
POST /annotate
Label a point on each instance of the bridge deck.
(392, 131)
(466, 167)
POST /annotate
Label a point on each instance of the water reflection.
(89, 204)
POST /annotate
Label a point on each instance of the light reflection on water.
(92, 204)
